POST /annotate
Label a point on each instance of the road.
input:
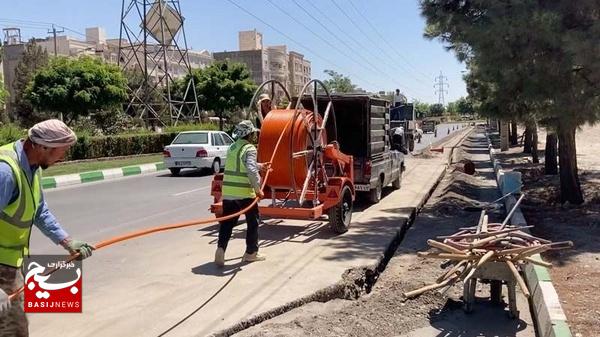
(166, 283)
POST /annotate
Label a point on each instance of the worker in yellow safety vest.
(21, 206)
(241, 185)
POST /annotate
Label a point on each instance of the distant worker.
(241, 185)
(399, 99)
(264, 107)
(22, 205)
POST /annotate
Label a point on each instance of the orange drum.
(296, 140)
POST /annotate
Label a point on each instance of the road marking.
(191, 191)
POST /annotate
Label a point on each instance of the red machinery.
(310, 176)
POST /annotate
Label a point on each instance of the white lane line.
(190, 191)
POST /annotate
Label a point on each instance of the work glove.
(4, 302)
(75, 246)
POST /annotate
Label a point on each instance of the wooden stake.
(519, 279)
(444, 247)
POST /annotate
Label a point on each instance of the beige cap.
(52, 133)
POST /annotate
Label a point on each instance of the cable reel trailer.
(310, 176)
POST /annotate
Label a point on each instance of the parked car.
(198, 150)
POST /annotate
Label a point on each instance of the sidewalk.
(383, 312)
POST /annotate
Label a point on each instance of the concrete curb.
(550, 318)
(87, 177)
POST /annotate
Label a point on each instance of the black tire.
(216, 166)
(175, 171)
(340, 215)
(375, 193)
(396, 184)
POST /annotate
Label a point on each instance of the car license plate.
(183, 163)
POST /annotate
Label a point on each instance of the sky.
(379, 44)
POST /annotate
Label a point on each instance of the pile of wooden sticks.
(472, 247)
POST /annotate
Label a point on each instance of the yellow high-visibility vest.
(17, 218)
(235, 181)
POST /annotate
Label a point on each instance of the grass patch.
(70, 168)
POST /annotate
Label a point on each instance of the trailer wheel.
(341, 214)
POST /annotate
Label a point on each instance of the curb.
(550, 318)
(88, 177)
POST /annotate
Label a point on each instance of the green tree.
(452, 108)
(223, 87)
(421, 108)
(3, 94)
(338, 83)
(34, 58)
(436, 110)
(77, 87)
(530, 60)
(464, 106)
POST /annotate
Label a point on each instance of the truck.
(404, 116)
(363, 131)
(428, 126)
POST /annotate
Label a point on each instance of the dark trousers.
(252, 220)
(14, 322)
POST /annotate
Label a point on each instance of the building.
(270, 62)
(12, 52)
(250, 40)
(278, 66)
(300, 72)
(256, 60)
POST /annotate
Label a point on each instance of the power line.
(344, 31)
(358, 26)
(390, 46)
(373, 67)
(294, 40)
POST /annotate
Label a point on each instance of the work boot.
(220, 257)
(253, 257)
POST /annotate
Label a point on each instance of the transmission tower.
(152, 51)
(441, 86)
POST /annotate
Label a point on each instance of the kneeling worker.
(241, 185)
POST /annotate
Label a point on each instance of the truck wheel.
(375, 193)
(175, 171)
(398, 182)
(340, 215)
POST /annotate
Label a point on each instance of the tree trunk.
(570, 188)
(550, 153)
(534, 145)
(527, 138)
(220, 115)
(514, 141)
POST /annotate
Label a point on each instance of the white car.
(197, 149)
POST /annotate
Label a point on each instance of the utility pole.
(53, 32)
(441, 86)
